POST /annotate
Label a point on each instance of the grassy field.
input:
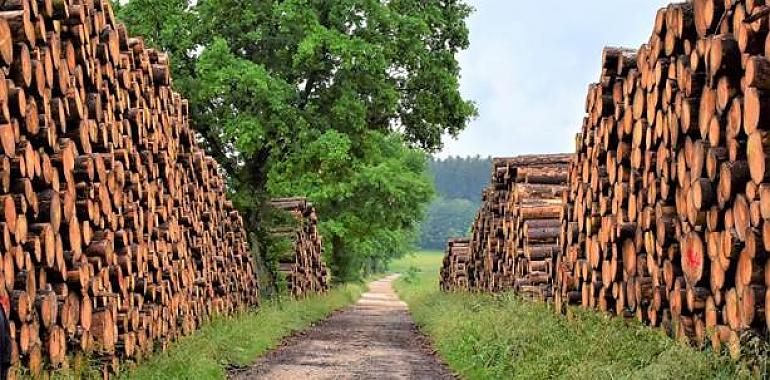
(240, 340)
(504, 337)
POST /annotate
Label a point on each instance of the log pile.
(116, 236)
(487, 244)
(669, 202)
(302, 266)
(516, 232)
(454, 273)
(533, 233)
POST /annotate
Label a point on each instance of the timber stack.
(669, 198)
(302, 265)
(456, 265)
(486, 238)
(116, 236)
(536, 185)
(516, 232)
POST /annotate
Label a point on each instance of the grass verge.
(483, 336)
(241, 339)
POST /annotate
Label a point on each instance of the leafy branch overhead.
(337, 100)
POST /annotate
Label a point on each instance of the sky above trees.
(530, 63)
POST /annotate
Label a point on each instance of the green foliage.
(222, 343)
(369, 203)
(485, 336)
(446, 218)
(461, 177)
(459, 182)
(337, 100)
(281, 242)
(411, 274)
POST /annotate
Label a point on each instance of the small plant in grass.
(411, 274)
(755, 351)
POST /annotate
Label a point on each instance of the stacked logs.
(116, 236)
(302, 266)
(516, 234)
(669, 201)
(533, 234)
(454, 273)
(487, 244)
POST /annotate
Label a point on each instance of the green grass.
(425, 263)
(241, 339)
(483, 336)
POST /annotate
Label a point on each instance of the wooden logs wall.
(455, 268)
(516, 233)
(115, 233)
(303, 268)
(670, 191)
(667, 208)
(533, 231)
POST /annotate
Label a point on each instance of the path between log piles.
(374, 339)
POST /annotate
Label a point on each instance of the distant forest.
(460, 177)
(459, 182)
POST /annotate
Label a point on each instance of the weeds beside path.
(483, 336)
(240, 340)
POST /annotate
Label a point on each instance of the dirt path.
(374, 339)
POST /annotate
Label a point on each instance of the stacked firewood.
(455, 269)
(302, 264)
(487, 244)
(534, 233)
(116, 236)
(516, 234)
(669, 201)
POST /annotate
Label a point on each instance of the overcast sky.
(529, 66)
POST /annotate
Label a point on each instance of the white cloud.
(529, 66)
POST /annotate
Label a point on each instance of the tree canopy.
(461, 177)
(337, 100)
(446, 218)
(459, 182)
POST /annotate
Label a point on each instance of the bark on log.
(116, 235)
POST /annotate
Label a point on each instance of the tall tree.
(336, 99)
(370, 197)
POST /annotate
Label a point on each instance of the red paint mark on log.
(693, 259)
